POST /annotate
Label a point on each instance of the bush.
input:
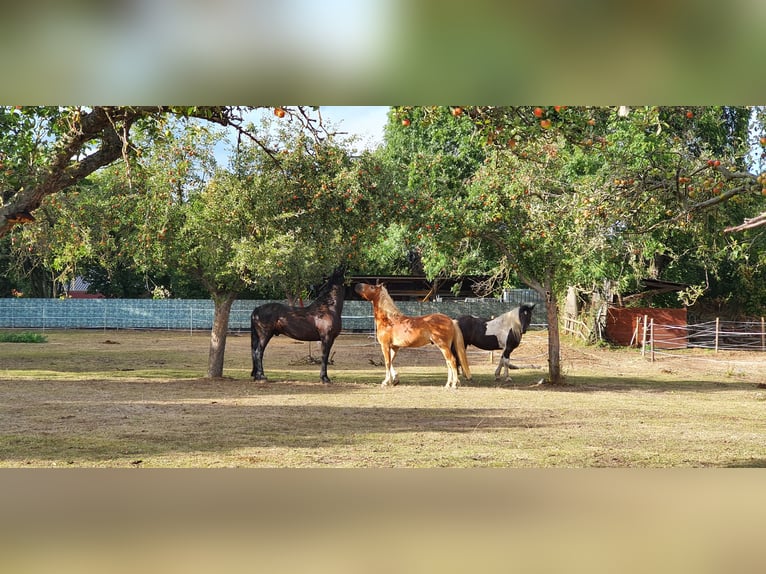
(22, 338)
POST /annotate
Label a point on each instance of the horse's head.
(333, 283)
(367, 291)
(338, 274)
(525, 315)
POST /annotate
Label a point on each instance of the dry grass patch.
(121, 399)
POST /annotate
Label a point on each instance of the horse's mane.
(512, 316)
(324, 294)
(512, 320)
(386, 303)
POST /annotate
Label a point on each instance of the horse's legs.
(257, 350)
(258, 342)
(326, 346)
(389, 353)
(504, 363)
(394, 374)
(505, 360)
(500, 364)
(453, 379)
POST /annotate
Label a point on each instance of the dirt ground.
(139, 399)
(579, 362)
(122, 352)
(353, 352)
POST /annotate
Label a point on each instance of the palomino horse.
(396, 330)
(320, 321)
(503, 332)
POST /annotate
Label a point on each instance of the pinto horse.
(503, 332)
(320, 321)
(396, 330)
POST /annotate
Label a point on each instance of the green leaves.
(576, 194)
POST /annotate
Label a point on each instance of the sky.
(367, 122)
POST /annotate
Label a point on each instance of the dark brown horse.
(503, 332)
(319, 321)
(396, 330)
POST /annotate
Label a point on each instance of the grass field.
(136, 399)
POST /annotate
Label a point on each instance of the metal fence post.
(717, 329)
(643, 338)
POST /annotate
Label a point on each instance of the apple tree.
(44, 150)
(280, 215)
(571, 196)
(432, 153)
(587, 194)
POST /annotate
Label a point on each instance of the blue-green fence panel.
(197, 314)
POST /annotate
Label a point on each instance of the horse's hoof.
(326, 381)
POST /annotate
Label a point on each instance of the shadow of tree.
(154, 428)
(588, 384)
(748, 463)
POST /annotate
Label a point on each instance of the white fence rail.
(739, 335)
(716, 335)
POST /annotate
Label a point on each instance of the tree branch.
(509, 255)
(752, 223)
(110, 126)
(62, 170)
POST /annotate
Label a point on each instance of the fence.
(194, 314)
(623, 326)
(716, 335)
(740, 335)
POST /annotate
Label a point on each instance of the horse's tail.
(458, 346)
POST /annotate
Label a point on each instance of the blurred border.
(341, 521)
(339, 52)
(380, 52)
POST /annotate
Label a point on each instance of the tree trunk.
(223, 303)
(554, 340)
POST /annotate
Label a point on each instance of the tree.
(258, 222)
(283, 224)
(44, 150)
(576, 195)
(759, 121)
(292, 205)
(432, 152)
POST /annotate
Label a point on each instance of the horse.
(319, 321)
(396, 330)
(502, 332)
